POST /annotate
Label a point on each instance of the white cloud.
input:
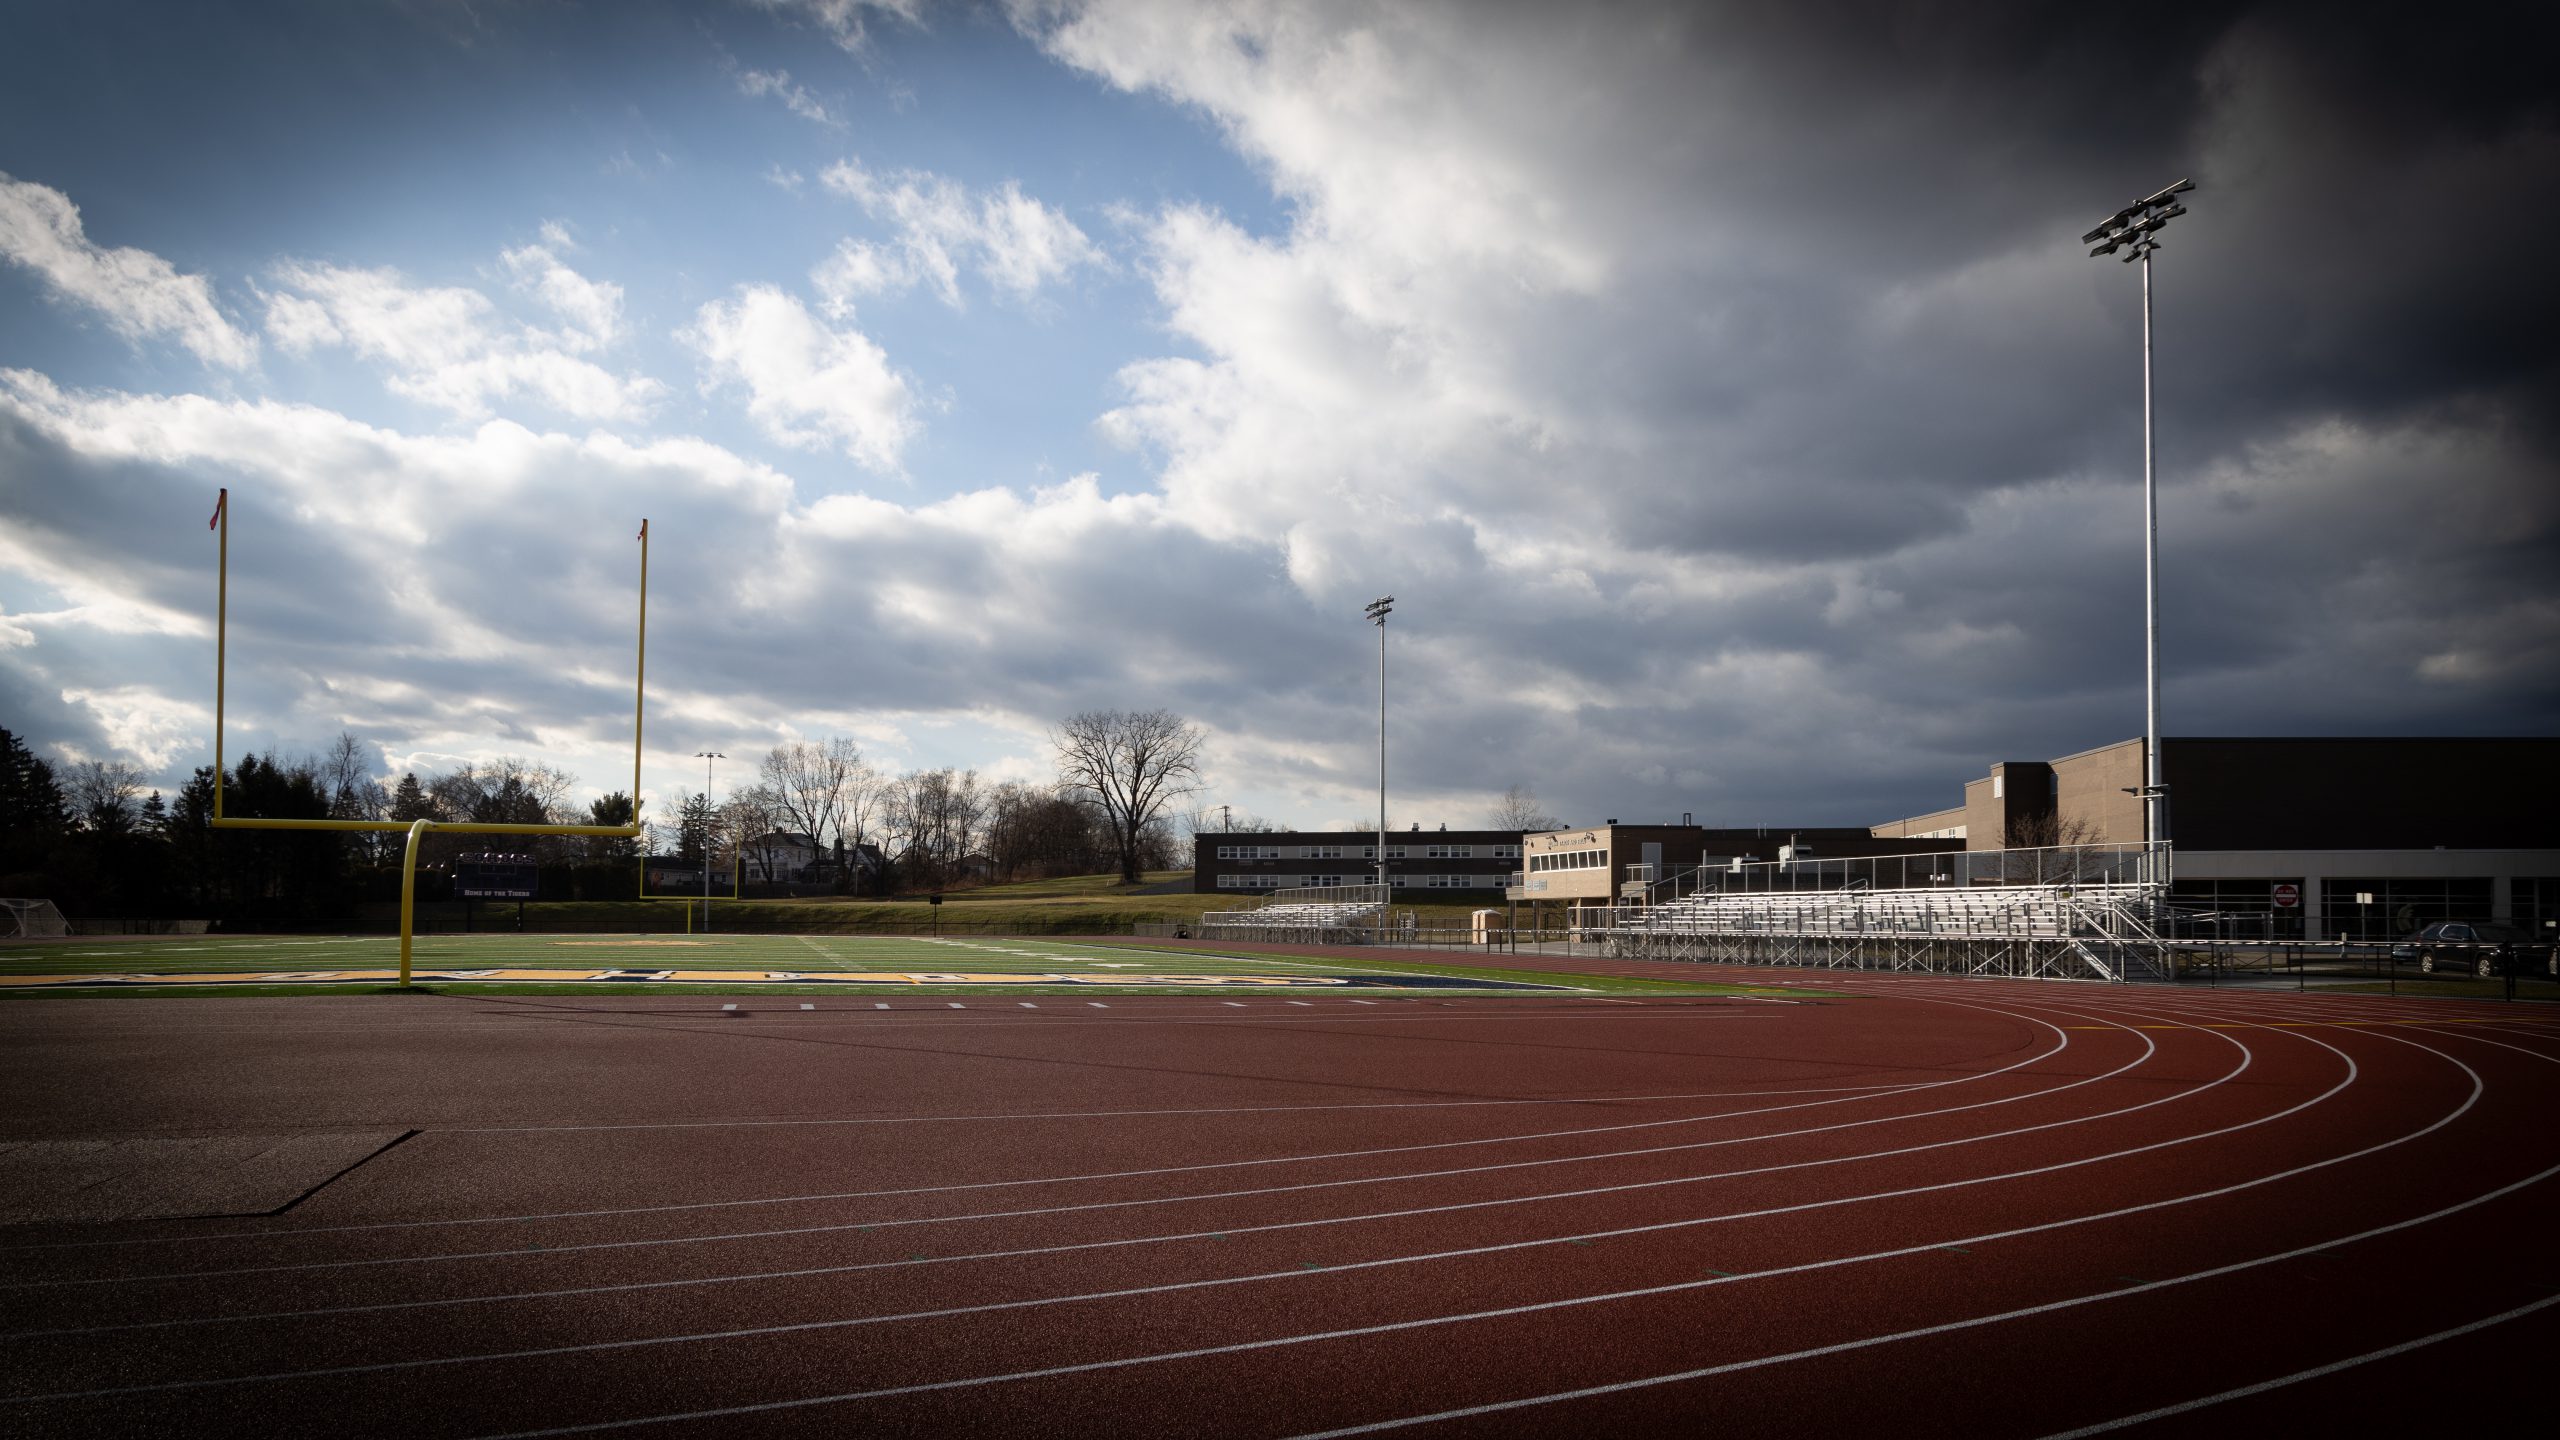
(140, 294)
(593, 308)
(807, 386)
(779, 85)
(1012, 241)
(448, 346)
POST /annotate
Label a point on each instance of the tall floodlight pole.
(2134, 230)
(706, 757)
(1377, 612)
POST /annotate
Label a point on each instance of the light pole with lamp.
(1377, 612)
(706, 757)
(2132, 230)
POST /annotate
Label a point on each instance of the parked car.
(2482, 947)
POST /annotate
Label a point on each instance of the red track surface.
(1929, 1207)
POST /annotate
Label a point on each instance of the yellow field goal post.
(413, 828)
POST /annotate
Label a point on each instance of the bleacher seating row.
(1986, 911)
(1303, 915)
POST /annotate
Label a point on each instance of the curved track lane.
(1924, 1205)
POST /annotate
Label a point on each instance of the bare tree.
(815, 786)
(1520, 811)
(1036, 832)
(1133, 764)
(105, 795)
(355, 794)
(934, 818)
(509, 790)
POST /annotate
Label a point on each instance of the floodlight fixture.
(2132, 230)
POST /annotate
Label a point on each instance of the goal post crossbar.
(414, 828)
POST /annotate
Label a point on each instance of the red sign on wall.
(2288, 897)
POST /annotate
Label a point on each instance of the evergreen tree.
(613, 809)
(694, 826)
(33, 818)
(411, 801)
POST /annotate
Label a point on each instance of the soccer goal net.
(31, 919)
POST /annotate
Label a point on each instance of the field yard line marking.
(2062, 1044)
(1393, 1326)
(2298, 1376)
(1237, 1194)
(1848, 1091)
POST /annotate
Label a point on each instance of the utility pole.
(706, 757)
(1377, 612)
(2132, 229)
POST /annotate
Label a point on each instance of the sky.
(1720, 390)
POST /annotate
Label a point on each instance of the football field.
(743, 963)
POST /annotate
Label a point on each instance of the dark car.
(2481, 947)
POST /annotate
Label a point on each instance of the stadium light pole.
(2133, 230)
(706, 757)
(1377, 612)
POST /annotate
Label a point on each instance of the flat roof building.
(2287, 833)
(1418, 860)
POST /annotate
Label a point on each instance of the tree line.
(89, 836)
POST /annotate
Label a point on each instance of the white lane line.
(1535, 1307)
(2062, 1042)
(1252, 1345)
(1364, 1002)
(1098, 1005)
(808, 1007)
(956, 1005)
(1238, 1004)
(880, 1005)
(1025, 1004)
(2298, 1376)
(1257, 1191)
(1310, 1004)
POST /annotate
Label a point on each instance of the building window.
(2400, 905)
(1570, 860)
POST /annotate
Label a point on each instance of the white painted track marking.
(2062, 1043)
(1280, 1341)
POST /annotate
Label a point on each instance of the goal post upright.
(413, 828)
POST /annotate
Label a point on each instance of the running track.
(1925, 1207)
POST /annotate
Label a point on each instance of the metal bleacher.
(1318, 915)
(2080, 913)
